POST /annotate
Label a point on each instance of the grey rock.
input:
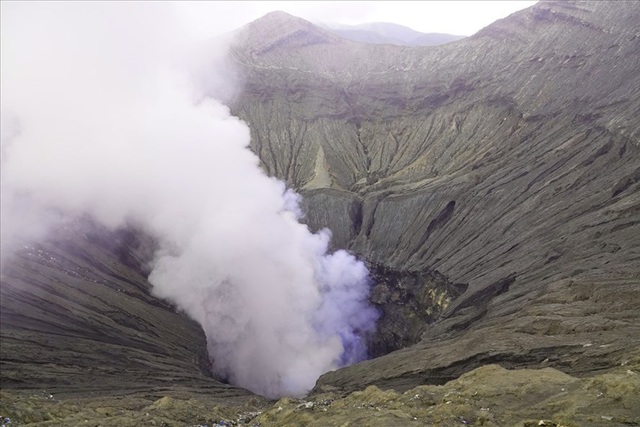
(507, 161)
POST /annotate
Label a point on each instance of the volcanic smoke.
(101, 116)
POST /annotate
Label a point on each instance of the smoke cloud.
(100, 117)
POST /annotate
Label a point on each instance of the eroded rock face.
(507, 161)
(78, 318)
(408, 303)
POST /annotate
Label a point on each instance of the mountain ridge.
(389, 33)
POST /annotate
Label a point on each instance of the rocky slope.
(508, 162)
(78, 318)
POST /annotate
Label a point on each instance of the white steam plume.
(98, 118)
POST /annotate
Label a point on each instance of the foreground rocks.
(487, 396)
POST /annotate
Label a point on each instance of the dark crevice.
(442, 218)
(626, 182)
(356, 216)
(483, 296)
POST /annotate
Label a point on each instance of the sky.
(451, 17)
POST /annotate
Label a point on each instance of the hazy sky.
(453, 17)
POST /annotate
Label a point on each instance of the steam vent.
(464, 250)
